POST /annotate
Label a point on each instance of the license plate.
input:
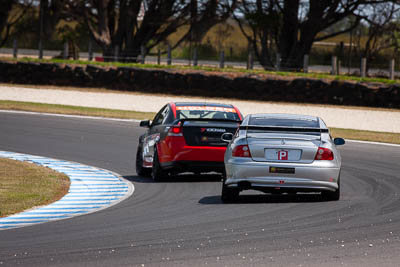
(283, 154)
(281, 170)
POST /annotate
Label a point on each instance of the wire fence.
(227, 58)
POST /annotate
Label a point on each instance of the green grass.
(337, 77)
(74, 110)
(97, 112)
(214, 69)
(25, 185)
(382, 137)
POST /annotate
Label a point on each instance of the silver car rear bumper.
(256, 175)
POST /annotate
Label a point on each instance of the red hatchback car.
(186, 137)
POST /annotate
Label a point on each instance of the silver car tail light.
(241, 151)
(324, 154)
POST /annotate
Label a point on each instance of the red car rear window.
(206, 112)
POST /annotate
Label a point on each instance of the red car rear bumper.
(175, 152)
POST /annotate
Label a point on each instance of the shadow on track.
(183, 178)
(265, 198)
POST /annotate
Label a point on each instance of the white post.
(116, 53)
(278, 62)
(40, 49)
(90, 48)
(305, 64)
(391, 69)
(169, 59)
(15, 48)
(334, 66)
(222, 59)
(65, 54)
(250, 61)
(363, 70)
(142, 54)
(195, 57)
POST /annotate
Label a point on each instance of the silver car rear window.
(301, 122)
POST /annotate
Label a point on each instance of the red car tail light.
(324, 154)
(175, 130)
(241, 151)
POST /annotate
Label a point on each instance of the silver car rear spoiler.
(284, 129)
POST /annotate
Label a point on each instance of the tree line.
(285, 27)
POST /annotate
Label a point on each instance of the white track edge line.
(372, 143)
(131, 189)
(134, 120)
(67, 115)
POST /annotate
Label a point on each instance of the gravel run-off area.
(371, 119)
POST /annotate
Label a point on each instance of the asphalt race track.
(182, 222)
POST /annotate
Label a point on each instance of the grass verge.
(382, 137)
(112, 113)
(74, 110)
(25, 185)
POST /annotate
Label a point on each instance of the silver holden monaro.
(282, 153)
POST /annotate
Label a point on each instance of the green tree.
(52, 12)
(380, 30)
(11, 12)
(290, 27)
(126, 26)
